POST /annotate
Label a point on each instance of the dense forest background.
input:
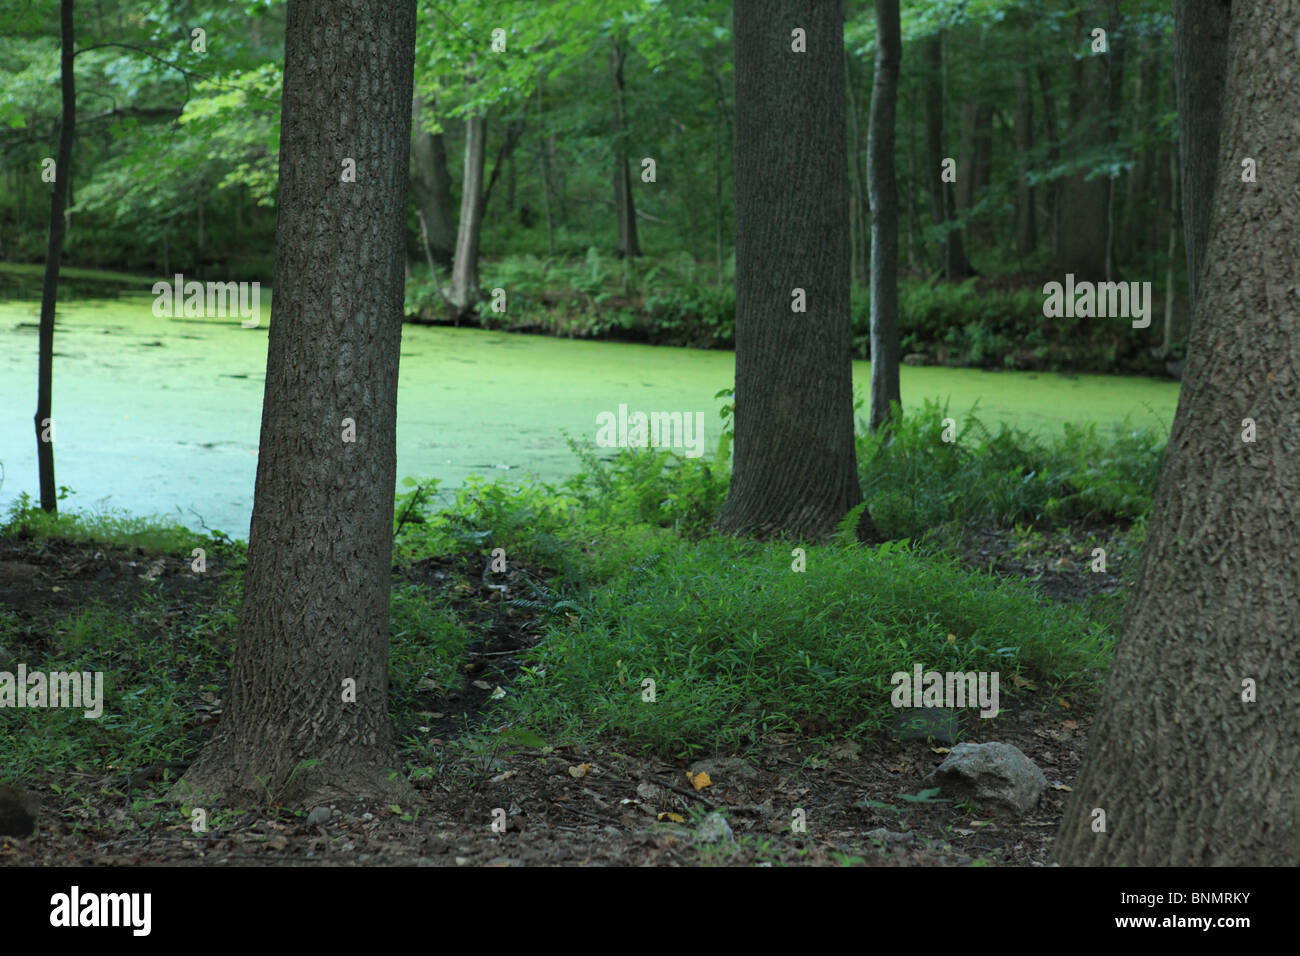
(1062, 161)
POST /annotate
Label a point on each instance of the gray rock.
(18, 812)
(319, 816)
(891, 838)
(714, 829)
(923, 723)
(991, 773)
(725, 770)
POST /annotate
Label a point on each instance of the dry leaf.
(496, 694)
(1063, 702)
(1070, 724)
(952, 638)
(671, 818)
(699, 780)
(1021, 682)
(1061, 786)
(897, 768)
(580, 770)
(940, 750)
(482, 685)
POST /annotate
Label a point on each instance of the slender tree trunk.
(952, 255)
(858, 201)
(1026, 220)
(45, 430)
(884, 215)
(1200, 66)
(306, 720)
(431, 185)
(795, 469)
(546, 173)
(465, 291)
(624, 204)
(1193, 757)
(1055, 224)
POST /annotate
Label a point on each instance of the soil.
(591, 805)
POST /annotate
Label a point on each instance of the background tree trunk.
(465, 292)
(432, 187)
(1026, 218)
(883, 185)
(624, 205)
(315, 607)
(1200, 66)
(53, 256)
(952, 255)
(1187, 772)
(795, 468)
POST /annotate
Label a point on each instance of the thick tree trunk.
(624, 205)
(465, 291)
(1026, 219)
(883, 185)
(1200, 66)
(44, 421)
(795, 469)
(859, 244)
(306, 720)
(1193, 757)
(431, 185)
(952, 255)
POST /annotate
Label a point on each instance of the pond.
(157, 415)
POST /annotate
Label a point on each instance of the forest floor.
(863, 803)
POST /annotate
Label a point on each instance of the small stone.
(18, 810)
(714, 829)
(319, 816)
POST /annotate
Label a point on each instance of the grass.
(635, 588)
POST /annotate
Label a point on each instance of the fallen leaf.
(699, 780)
(952, 638)
(1070, 724)
(503, 776)
(580, 770)
(671, 818)
(940, 750)
(1061, 786)
(482, 685)
(1063, 702)
(497, 694)
(1021, 682)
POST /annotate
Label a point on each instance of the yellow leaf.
(699, 780)
(671, 818)
(1063, 702)
(1061, 786)
(1021, 682)
(940, 750)
(952, 638)
(580, 770)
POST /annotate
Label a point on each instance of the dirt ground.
(563, 805)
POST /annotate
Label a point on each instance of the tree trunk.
(1055, 225)
(465, 292)
(952, 255)
(883, 185)
(795, 470)
(45, 431)
(546, 173)
(1200, 66)
(624, 205)
(1190, 768)
(858, 243)
(1026, 220)
(431, 185)
(975, 167)
(314, 622)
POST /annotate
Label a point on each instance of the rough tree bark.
(1189, 769)
(315, 608)
(1026, 217)
(1200, 65)
(53, 255)
(883, 187)
(795, 470)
